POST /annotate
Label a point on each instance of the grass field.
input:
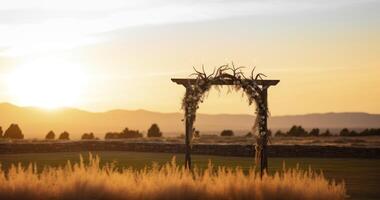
(362, 177)
(362, 141)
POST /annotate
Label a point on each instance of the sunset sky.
(117, 54)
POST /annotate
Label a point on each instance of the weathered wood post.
(264, 128)
(188, 129)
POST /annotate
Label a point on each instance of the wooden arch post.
(263, 127)
(188, 131)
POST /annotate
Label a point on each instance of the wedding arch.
(256, 89)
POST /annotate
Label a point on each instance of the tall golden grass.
(170, 181)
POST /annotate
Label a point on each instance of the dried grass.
(171, 181)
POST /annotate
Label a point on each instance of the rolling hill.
(35, 122)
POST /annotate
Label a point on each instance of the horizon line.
(160, 112)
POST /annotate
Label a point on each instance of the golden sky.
(102, 55)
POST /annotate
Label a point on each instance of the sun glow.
(46, 84)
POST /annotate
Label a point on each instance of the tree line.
(153, 131)
(299, 131)
(294, 131)
(365, 132)
(14, 132)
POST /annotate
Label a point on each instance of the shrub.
(353, 133)
(13, 132)
(227, 133)
(279, 133)
(297, 131)
(370, 132)
(50, 135)
(126, 133)
(91, 181)
(314, 132)
(197, 134)
(64, 136)
(326, 133)
(112, 135)
(88, 136)
(154, 131)
(269, 133)
(344, 132)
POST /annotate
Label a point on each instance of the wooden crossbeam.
(191, 81)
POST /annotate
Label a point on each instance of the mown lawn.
(362, 176)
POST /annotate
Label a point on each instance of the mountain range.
(36, 122)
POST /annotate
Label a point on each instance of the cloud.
(43, 26)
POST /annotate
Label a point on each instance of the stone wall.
(209, 149)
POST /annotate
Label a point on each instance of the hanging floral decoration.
(196, 92)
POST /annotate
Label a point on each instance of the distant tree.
(181, 136)
(1, 132)
(374, 131)
(353, 133)
(326, 133)
(297, 131)
(269, 133)
(249, 134)
(126, 133)
(314, 132)
(279, 133)
(365, 132)
(227, 133)
(50, 135)
(112, 135)
(197, 134)
(154, 131)
(88, 136)
(344, 132)
(370, 132)
(64, 136)
(13, 132)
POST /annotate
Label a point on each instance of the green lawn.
(362, 176)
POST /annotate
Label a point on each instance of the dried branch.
(213, 72)
(253, 70)
(258, 76)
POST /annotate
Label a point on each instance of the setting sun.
(46, 84)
